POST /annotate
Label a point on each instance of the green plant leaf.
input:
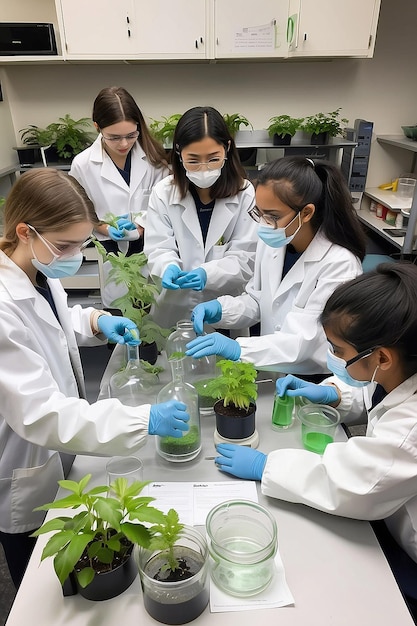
(57, 523)
(147, 514)
(85, 576)
(136, 533)
(109, 510)
(65, 559)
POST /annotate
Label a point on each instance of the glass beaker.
(188, 446)
(133, 385)
(197, 372)
(282, 413)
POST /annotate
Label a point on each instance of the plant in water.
(141, 292)
(236, 384)
(164, 536)
(101, 536)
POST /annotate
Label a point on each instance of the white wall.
(382, 89)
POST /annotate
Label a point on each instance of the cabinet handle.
(305, 37)
(196, 44)
(127, 19)
(201, 40)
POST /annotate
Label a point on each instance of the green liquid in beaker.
(316, 442)
(282, 412)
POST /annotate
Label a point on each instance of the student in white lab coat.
(371, 327)
(199, 238)
(311, 241)
(48, 218)
(118, 173)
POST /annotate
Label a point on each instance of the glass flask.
(197, 372)
(188, 446)
(133, 385)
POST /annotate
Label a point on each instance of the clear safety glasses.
(119, 138)
(66, 250)
(213, 164)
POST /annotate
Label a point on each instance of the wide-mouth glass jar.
(242, 539)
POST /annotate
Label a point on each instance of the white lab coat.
(370, 478)
(292, 340)
(41, 411)
(96, 172)
(173, 236)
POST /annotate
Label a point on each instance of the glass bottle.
(282, 413)
(198, 372)
(133, 385)
(188, 446)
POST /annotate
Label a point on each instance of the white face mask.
(205, 178)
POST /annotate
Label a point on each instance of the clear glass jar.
(197, 372)
(133, 385)
(188, 446)
(242, 539)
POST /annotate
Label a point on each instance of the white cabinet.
(131, 29)
(250, 29)
(332, 28)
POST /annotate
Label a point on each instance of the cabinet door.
(98, 28)
(250, 29)
(172, 29)
(333, 27)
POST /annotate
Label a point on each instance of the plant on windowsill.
(321, 126)
(136, 303)
(92, 550)
(282, 128)
(236, 393)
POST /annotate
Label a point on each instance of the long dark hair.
(194, 125)
(298, 181)
(378, 308)
(115, 104)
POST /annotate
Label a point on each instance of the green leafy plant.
(234, 121)
(164, 536)
(236, 384)
(325, 123)
(67, 135)
(163, 129)
(102, 534)
(284, 125)
(141, 293)
(35, 136)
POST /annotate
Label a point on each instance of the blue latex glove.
(240, 461)
(196, 279)
(119, 329)
(207, 312)
(116, 233)
(125, 223)
(168, 419)
(293, 386)
(169, 277)
(214, 343)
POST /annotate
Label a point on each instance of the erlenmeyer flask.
(198, 372)
(133, 385)
(188, 446)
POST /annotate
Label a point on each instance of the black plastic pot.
(281, 140)
(319, 139)
(28, 155)
(148, 352)
(237, 425)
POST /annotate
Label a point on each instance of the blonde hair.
(48, 200)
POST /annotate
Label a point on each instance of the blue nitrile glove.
(214, 343)
(170, 276)
(240, 461)
(119, 329)
(293, 386)
(116, 233)
(196, 279)
(168, 419)
(125, 223)
(207, 312)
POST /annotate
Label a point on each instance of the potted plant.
(163, 129)
(321, 126)
(33, 139)
(92, 550)
(234, 121)
(174, 572)
(236, 393)
(137, 301)
(282, 128)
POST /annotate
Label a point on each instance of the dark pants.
(402, 566)
(17, 550)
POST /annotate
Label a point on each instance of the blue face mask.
(338, 367)
(275, 237)
(59, 268)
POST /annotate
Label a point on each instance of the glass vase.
(133, 385)
(197, 372)
(188, 446)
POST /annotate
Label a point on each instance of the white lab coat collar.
(397, 396)
(222, 214)
(109, 170)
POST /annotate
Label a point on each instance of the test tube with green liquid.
(282, 413)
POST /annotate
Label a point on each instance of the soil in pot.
(234, 423)
(179, 599)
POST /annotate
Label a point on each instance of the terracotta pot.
(234, 423)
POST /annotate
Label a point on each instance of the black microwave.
(21, 38)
